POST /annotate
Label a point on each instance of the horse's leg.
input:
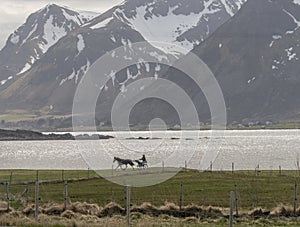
(123, 168)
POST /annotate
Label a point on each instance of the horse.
(122, 163)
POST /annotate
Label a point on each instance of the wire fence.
(253, 189)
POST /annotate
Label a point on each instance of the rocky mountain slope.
(48, 85)
(251, 47)
(255, 58)
(32, 40)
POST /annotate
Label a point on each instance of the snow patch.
(26, 68)
(73, 18)
(251, 80)
(52, 33)
(290, 54)
(113, 38)
(88, 15)
(3, 82)
(80, 43)
(169, 26)
(276, 37)
(102, 23)
(297, 2)
(30, 33)
(159, 57)
(76, 74)
(157, 68)
(294, 19)
(147, 65)
(15, 38)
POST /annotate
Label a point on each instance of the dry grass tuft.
(169, 206)
(111, 209)
(259, 212)
(29, 210)
(145, 208)
(52, 209)
(85, 208)
(69, 214)
(283, 210)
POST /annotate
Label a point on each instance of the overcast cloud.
(13, 13)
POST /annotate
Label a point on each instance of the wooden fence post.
(279, 170)
(36, 213)
(236, 200)
(65, 194)
(128, 205)
(231, 209)
(211, 166)
(7, 195)
(163, 166)
(26, 194)
(37, 175)
(10, 178)
(295, 199)
(88, 172)
(125, 196)
(180, 197)
(232, 167)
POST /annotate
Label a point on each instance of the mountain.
(185, 23)
(47, 87)
(32, 40)
(255, 58)
(251, 47)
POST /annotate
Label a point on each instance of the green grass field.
(266, 190)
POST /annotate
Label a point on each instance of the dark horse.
(122, 163)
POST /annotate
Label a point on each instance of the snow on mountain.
(41, 31)
(184, 23)
(257, 64)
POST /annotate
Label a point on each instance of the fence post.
(26, 194)
(36, 213)
(236, 200)
(7, 195)
(180, 197)
(211, 166)
(279, 170)
(163, 166)
(10, 178)
(88, 173)
(65, 194)
(295, 199)
(231, 209)
(37, 175)
(128, 205)
(125, 196)
(232, 167)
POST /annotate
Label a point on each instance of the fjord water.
(245, 148)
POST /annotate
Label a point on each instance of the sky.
(13, 13)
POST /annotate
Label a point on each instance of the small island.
(12, 135)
